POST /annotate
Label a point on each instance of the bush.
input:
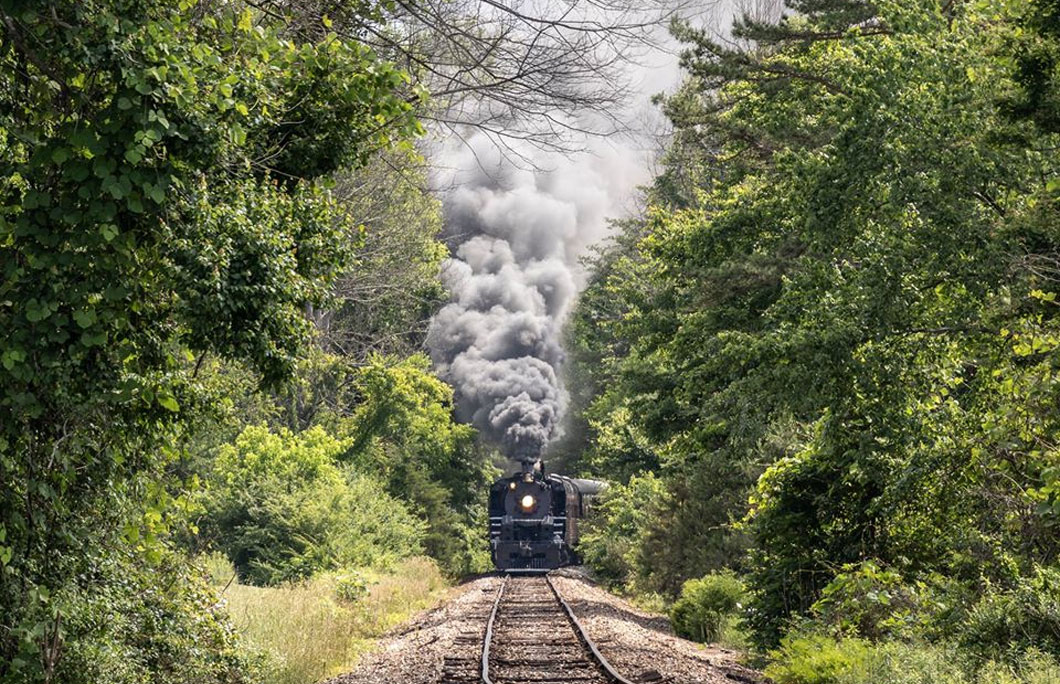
(899, 662)
(868, 601)
(612, 539)
(351, 586)
(150, 623)
(706, 604)
(1031, 667)
(819, 659)
(281, 509)
(1005, 624)
(815, 658)
(216, 568)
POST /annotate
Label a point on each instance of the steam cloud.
(516, 237)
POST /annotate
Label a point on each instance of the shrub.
(612, 539)
(872, 602)
(706, 604)
(150, 623)
(1005, 624)
(216, 568)
(1032, 667)
(351, 586)
(815, 658)
(819, 659)
(898, 662)
(281, 509)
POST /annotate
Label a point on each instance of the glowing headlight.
(527, 502)
(511, 485)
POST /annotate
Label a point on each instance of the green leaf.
(85, 317)
(90, 339)
(37, 311)
(167, 401)
(155, 193)
(109, 231)
(10, 358)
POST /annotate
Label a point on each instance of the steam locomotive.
(534, 519)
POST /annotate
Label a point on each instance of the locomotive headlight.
(511, 485)
(527, 503)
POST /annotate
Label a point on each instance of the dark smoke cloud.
(516, 237)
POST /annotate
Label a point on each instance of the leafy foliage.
(150, 623)
(612, 539)
(817, 659)
(282, 509)
(833, 334)
(1023, 618)
(705, 604)
(386, 420)
(163, 196)
(867, 601)
(404, 431)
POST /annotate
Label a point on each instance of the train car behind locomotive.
(534, 519)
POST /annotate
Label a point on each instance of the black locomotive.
(534, 519)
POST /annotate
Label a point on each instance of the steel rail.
(584, 636)
(489, 632)
(579, 629)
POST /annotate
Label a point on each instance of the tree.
(383, 300)
(163, 198)
(849, 309)
(543, 73)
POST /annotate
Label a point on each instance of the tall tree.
(161, 198)
(854, 294)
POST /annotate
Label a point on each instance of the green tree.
(403, 430)
(161, 174)
(281, 508)
(849, 309)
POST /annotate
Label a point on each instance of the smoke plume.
(515, 236)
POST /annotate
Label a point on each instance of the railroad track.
(533, 637)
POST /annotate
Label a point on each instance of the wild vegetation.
(343, 611)
(819, 369)
(824, 358)
(188, 361)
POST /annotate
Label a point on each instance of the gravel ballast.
(641, 646)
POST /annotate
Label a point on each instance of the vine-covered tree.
(163, 195)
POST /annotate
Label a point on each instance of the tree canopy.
(832, 334)
(165, 174)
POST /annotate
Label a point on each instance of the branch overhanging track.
(533, 637)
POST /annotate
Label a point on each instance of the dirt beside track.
(639, 645)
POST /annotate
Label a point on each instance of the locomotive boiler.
(534, 519)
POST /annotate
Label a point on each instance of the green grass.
(307, 633)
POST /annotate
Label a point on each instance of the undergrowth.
(312, 630)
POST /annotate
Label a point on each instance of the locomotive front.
(528, 523)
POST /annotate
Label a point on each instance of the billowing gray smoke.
(516, 237)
